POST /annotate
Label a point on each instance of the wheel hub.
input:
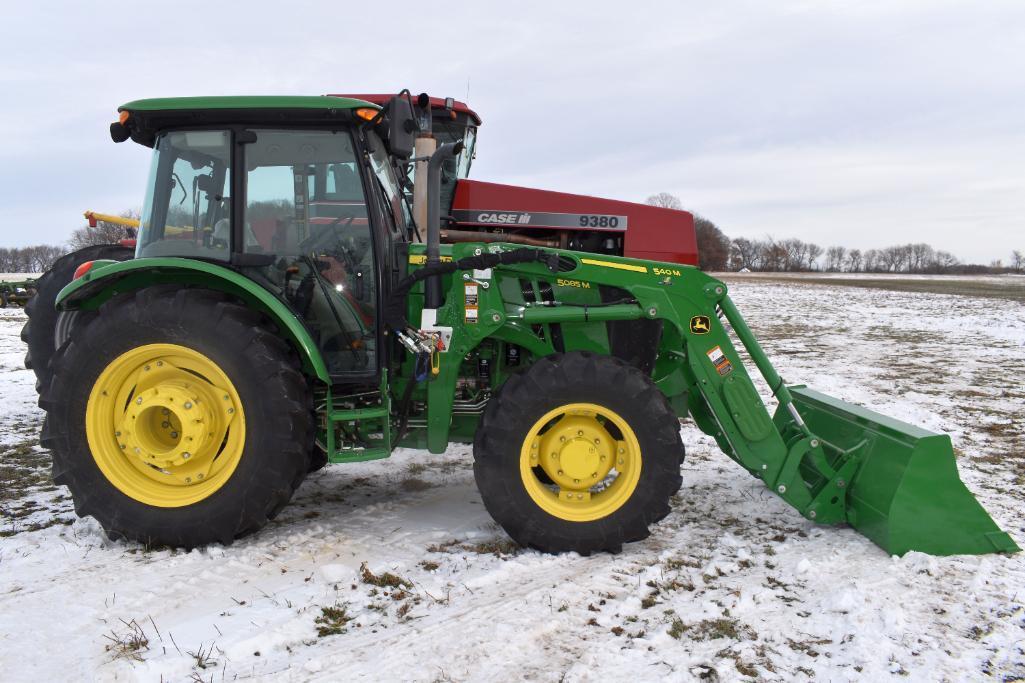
(165, 424)
(590, 454)
(577, 452)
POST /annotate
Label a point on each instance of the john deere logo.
(699, 324)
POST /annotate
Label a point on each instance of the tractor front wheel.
(177, 417)
(606, 442)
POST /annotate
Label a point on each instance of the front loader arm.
(834, 462)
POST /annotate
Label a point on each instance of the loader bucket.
(905, 493)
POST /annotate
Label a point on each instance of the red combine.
(481, 211)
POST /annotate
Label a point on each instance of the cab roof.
(146, 118)
(268, 102)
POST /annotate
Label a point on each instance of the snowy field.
(392, 570)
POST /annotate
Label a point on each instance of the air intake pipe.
(446, 151)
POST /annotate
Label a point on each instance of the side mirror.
(401, 127)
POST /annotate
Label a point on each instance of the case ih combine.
(279, 314)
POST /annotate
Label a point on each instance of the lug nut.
(231, 410)
(782, 488)
(188, 480)
(199, 476)
(174, 435)
(580, 432)
(160, 363)
(117, 433)
(188, 405)
(139, 400)
(186, 455)
(165, 411)
(560, 473)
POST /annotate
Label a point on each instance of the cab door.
(306, 207)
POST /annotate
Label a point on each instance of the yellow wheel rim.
(165, 425)
(590, 454)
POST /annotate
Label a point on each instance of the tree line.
(39, 258)
(717, 252)
(35, 259)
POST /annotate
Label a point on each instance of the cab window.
(187, 211)
(306, 209)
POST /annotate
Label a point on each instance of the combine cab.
(473, 210)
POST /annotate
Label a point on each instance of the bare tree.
(872, 259)
(944, 261)
(774, 255)
(835, 257)
(813, 253)
(1017, 260)
(854, 261)
(744, 254)
(665, 200)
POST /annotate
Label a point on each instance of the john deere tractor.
(276, 316)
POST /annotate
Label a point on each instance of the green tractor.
(16, 292)
(277, 316)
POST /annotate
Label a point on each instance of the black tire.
(317, 459)
(39, 332)
(275, 397)
(552, 382)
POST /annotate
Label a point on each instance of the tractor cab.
(300, 196)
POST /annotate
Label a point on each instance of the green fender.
(109, 278)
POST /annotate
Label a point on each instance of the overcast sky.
(855, 123)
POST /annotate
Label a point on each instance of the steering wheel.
(323, 235)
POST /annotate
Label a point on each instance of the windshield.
(187, 211)
(447, 130)
(384, 171)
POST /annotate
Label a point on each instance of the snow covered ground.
(392, 570)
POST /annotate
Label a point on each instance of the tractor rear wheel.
(606, 439)
(40, 332)
(177, 417)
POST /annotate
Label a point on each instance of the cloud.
(862, 123)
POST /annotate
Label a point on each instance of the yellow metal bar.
(610, 264)
(92, 217)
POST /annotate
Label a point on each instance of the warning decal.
(470, 303)
(720, 361)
